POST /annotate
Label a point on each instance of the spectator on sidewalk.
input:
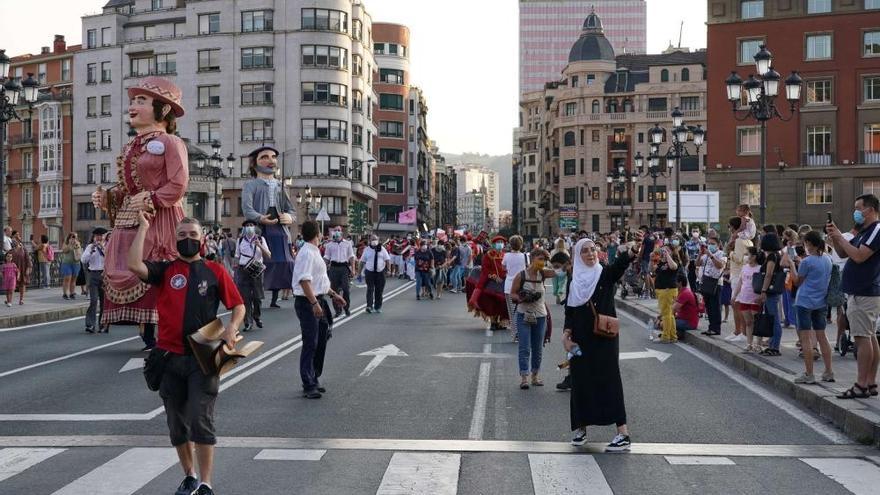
(861, 284)
(666, 289)
(7, 240)
(70, 256)
(745, 299)
(23, 261)
(227, 250)
(44, 252)
(810, 275)
(93, 262)
(839, 264)
(687, 316)
(710, 284)
(9, 274)
(769, 260)
(738, 255)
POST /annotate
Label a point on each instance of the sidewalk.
(858, 418)
(40, 306)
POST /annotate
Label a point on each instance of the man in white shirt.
(339, 253)
(310, 285)
(7, 240)
(93, 260)
(251, 247)
(374, 259)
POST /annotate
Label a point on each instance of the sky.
(463, 54)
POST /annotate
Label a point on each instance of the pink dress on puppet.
(155, 162)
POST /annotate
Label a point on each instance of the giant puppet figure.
(264, 201)
(153, 174)
(486, 294)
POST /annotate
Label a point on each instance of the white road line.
(290, 455)
(14, 461)
(786, 406)
(419, 474)
(856, 475)
(65, 357)
(45, 323)
(123, 475)
(558, 474)
(698, 460)
(479, 416)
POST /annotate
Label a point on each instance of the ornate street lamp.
(618, 180)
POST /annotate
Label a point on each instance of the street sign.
(323, 216)
(696, 206)
(568, 218)
(380, 354)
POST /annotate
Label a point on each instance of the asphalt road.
(421, 421)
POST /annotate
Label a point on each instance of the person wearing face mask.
(487, 299)
(264, 201)
(423, 262)
(339, 253)
(441, 267)
(251, 248)
(665, 287)
(189, 291)
(374, 260)
(713, 263)
(531, 316)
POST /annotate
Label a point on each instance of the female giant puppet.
(153, 176)
(486, 293)
(264, 201)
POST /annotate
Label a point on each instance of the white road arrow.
(478, 355)
(649, 353)
(379, 355)
(132, 364)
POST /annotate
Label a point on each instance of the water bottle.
(574, 352)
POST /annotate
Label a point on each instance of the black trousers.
(692, 276)
(375, 288)
(340, 278)
(713, 308)
(315, 333)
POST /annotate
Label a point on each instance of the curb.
(853, 418)
(43, 317)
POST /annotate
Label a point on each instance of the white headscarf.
(584, 278)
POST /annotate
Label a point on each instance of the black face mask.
(188, 247)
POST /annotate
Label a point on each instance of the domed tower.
(592, 52)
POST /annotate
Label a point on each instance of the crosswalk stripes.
(856, 475)
(290, 455)
(412, 473)
(698, 460)
(14, 461)
(558, 474)
(124, 474)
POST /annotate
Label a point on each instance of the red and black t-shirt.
(188, 297)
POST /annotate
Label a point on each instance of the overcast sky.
(464, 54)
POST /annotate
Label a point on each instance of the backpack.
(50, 253)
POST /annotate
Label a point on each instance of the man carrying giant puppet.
(153, 174)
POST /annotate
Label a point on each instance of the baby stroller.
(633, 282)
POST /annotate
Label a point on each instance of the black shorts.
(189, 396)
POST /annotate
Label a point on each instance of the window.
(209, 131)
(166, 63)
(574, 81)
(595, 106)
(871, 187)
(106, 39)
(569, 195)
(357, 30)
(333, 205)
(872, 4)
(818, 145)
(379, 48)
(324, 56)
(748, 49)
(27, 199)
(325, 94)
(391, 129)
(260, 57)
(819, 92)
(324, 129)
(65, 69)
(155, 4)
(568, 140)
(752, 9)
(324, 165)
(257, 20)
(105, 105)
(664, 75)
(818, 6)
(357, 135)
(389, 213)
(656, 104)
(872, 144)
(105, 139)
(105, 173)
(209, 23)
(872, 43)
(595, 165)
(685, 74)
(85, 211)
(357, 100)
(92, 38)
(819, 193)
(595, 193)
(105, 72)
(91, 140)
(391, 184)
(90, 173)
(390, 102)
(209, 60)
(256, 94)
(179, 29)
(690, 103)
(872, 88)
(149, 32)
(27, 164)
(570, 109)
(391, 155)
(595, 136)
(568, 167)
(818, 46)
(209, 96)
(50, 197)
(325, 20)
(748, 140)
(91, 73)
(257, 130)
(141, 66)
(391, 76)
(357, 65)
(91, 106)
(661, 193)
(750, 194)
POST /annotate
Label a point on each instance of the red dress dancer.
(486, 296)
(153, 176)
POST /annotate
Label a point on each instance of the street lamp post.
(308, 200)
(761, 93)
(652, 170)
(215, 171)
(11, 91)
(681, 134)
(618, 180)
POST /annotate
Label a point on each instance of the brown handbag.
(605, 326)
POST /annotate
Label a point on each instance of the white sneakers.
(735, 338)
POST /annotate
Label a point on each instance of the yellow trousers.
(665, 299)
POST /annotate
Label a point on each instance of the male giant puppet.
(153, 174)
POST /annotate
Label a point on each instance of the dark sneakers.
(187, 486)
(620, 443)
(203, 490)
(579, 437)
(258, 322)
(311, 394)
(565, 384)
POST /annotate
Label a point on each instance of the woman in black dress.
(596, 387)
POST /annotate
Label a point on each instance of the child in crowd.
(10, 277)
(747, 229)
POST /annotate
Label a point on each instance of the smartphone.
(829, 217)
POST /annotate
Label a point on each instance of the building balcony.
(871, 157)
(693, 116)
(818, 160)
(22, 141)
(20, 175)
(622, 146)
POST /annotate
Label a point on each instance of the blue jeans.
(772, 308)
(423, 279)
(788, 310)
(531, 339)
(456, 277)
